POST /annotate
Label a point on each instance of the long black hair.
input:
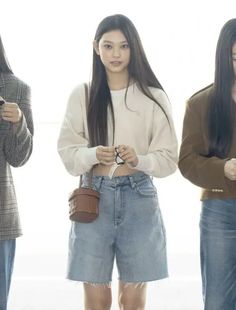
(4, 64)
(221, 111)
(138, 68)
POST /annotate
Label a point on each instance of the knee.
(97, 296)
(132, 296)
(127, 302)
(98, 305)
(97, 302)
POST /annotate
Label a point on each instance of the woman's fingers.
(105, 155)
(11, 112)
(128, 154)
(230, 169)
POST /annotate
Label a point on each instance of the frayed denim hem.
(105, 284)
(133, 284)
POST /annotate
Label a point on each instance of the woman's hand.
(11, 112)
(106, 155)
(230, 169)
(128, 154)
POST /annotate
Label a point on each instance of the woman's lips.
(116, 63)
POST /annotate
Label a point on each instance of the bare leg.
(132, 296)
(97, 296)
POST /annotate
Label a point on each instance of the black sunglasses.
(118, 159)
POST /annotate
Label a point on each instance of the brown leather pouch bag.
(83, 205)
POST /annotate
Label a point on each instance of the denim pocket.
(146, 188)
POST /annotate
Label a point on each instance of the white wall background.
(49, 45)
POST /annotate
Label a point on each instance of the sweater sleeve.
(203, 171)
(161, 158)
(18, 142)
(73, 144)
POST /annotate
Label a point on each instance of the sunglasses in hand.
(118, 159)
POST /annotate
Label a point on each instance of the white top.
(139, 123)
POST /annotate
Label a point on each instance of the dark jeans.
(7, 254)
(218, 253)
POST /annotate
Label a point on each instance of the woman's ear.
(95, 46)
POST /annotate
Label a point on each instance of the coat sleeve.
(18, 141)
(194, 164)
(73, 144)
(161, 158)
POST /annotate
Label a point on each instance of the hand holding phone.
(10, 111)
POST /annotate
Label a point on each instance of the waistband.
(117, 180)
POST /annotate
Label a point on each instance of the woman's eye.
(124, 46)
(107, 46)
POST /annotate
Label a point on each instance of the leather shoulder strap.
(90, 173)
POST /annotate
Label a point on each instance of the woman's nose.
(116, 52)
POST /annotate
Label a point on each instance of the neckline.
(121, 91)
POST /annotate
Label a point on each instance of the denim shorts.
(129, 228)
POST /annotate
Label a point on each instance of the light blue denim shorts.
(129, 228)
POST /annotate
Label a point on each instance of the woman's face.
(114, 51)
(234, 58)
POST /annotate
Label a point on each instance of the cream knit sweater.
(140, 123)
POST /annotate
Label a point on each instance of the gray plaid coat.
(15, 149)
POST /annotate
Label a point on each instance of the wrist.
(134, 163)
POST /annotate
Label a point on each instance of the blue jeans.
(7, 254)
(129, 228)
(218, 253)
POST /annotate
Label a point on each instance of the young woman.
(16, 130)
(207, 159)
(128, 120)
